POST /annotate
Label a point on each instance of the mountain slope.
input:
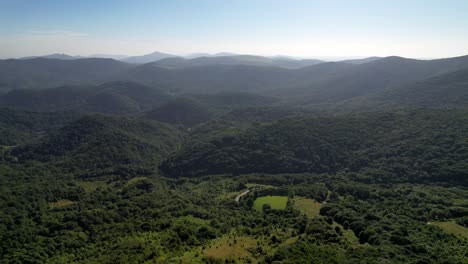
(446, 90)
(19, 127)
(46, 73)
(358, 80)
(227, 101)
(208, 78)
(384, 147)
(182, 111)
(112, 98)
(103, 145)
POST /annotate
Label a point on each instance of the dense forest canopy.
(233, 159)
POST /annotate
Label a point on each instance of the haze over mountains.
(318, 85)
(156, 55)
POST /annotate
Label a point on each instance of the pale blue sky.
(311, 28)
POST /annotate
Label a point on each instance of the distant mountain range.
(350, 84)
(177, 62)
(155, 56)
(58, 56)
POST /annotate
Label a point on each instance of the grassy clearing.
(61, 203)
(276, 202)
(349, 235)
(309, 207)
(91, 186)
(452, 228)
(231, 247)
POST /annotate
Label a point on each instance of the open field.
(231, 247)
(309, 207)
(452, 228)
(276, 202)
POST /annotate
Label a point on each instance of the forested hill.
(182, 111)
(102, 145)
(20, 127)
(413, 146)
(40, 73)
(110, 98)
(442, 91)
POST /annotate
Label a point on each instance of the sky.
(301, 28)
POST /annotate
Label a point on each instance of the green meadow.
(276, 202)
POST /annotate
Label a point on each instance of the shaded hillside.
(112, 98)
(209, 78)
(103, 145)
(446, 90)
(324, 83)
(19, 127)
(316, 85)
(239, 120)
(193, 109)
(182, 111)
(44, 73)
(227, 101)
(383, 147)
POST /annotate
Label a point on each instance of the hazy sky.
(308, 28)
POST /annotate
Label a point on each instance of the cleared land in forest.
(452, 228)
(308, 206)
(276, 202)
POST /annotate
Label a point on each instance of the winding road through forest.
(240, 195)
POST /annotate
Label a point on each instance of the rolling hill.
(20, 127)
(102, 145)
(330, 83)
(46, 73)
(111, 98)
(182, 111)
(441, 91)
(317, 87)
(405, 146)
